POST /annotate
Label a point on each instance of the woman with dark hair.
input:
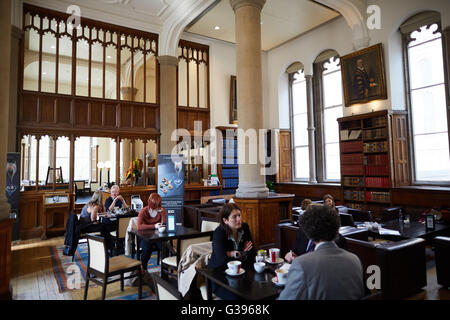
(328, 200)
(150, 217)
(232, 240)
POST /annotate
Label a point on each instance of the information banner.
(171, 186)
(13, 189)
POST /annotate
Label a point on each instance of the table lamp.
(100, 165)
(108, 165)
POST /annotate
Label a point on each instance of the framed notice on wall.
(171, 187)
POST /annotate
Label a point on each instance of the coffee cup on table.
(281, 275)
(274, 254)
(234, 267)
(161, 228)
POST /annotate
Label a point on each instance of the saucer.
(280, 260)
(275, 282)
(242, 271)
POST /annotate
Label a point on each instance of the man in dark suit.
(328, 272)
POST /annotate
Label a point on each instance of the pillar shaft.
(252, 182)
(311, 129)
(5, 67)
(168, 101)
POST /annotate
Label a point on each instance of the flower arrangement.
(134, 170)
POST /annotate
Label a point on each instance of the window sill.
(302, 183)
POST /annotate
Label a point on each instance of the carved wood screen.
(193, 85)
(96, 79)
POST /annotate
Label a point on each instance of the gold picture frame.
(233, 100)
(363, 75)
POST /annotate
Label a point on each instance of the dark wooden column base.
(5, 258)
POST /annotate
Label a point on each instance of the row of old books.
(375, 122)
(378, 196)
(377, 182)
(379, 146)
(347, 134)
(382, 170)
(375, 134)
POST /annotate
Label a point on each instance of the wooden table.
(156, 236)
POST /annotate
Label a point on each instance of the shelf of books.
(228, 170)
(366, 166)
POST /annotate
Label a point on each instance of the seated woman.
(116, 200)
(232, 240)
(90, 214)
(328, 200)
(91, 210)
(150, 217)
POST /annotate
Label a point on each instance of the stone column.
(16, 35)
(311, 129)
(168, 101)
(252, 182)
(446, 38)
(5, 68)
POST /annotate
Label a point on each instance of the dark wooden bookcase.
(374, 159)
(228, 167)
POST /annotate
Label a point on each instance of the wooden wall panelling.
(138, 117)
(63, 112)
(46, 109)
(285, 169)
(81, 111)
(5, 258)
(312, 191)
(427, 197)
(29, 107)
(30, 214)
(96, 115)
(110, 115)
(400, 149)
(125, 115)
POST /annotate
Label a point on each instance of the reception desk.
(192, 193)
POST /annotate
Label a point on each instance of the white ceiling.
(282, 20)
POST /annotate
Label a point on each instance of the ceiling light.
(216, 27)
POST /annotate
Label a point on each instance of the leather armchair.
(402, 265)
(442, 256)
(190, 215)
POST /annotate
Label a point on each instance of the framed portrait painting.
(233, 100)
(363, 75)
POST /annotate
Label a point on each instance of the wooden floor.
(32, 276)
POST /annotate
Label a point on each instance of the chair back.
(346, 219)
(164, 290)
(98, 259)
(79, 184)
(359, 215)
(122, 225)
(185, 242)
(209, 225)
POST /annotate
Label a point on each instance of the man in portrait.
(362, 82)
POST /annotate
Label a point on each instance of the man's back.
(328, 273)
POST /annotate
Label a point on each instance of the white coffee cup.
(274, 254)
(161, 228)
(259, 266)
(234, 267)
(281, 275)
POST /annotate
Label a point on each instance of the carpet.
(72, 275)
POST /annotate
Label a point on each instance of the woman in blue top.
(91, 210)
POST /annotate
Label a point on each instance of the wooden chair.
(118, 236)
(164, 290)
(170, 264)
(100, 265)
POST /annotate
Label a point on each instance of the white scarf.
(152, 213)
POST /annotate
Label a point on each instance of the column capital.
(16, 32)
(128, 90)
(236, 4)
(168, 60)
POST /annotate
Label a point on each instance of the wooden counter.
(192, 193)
(262, 215)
